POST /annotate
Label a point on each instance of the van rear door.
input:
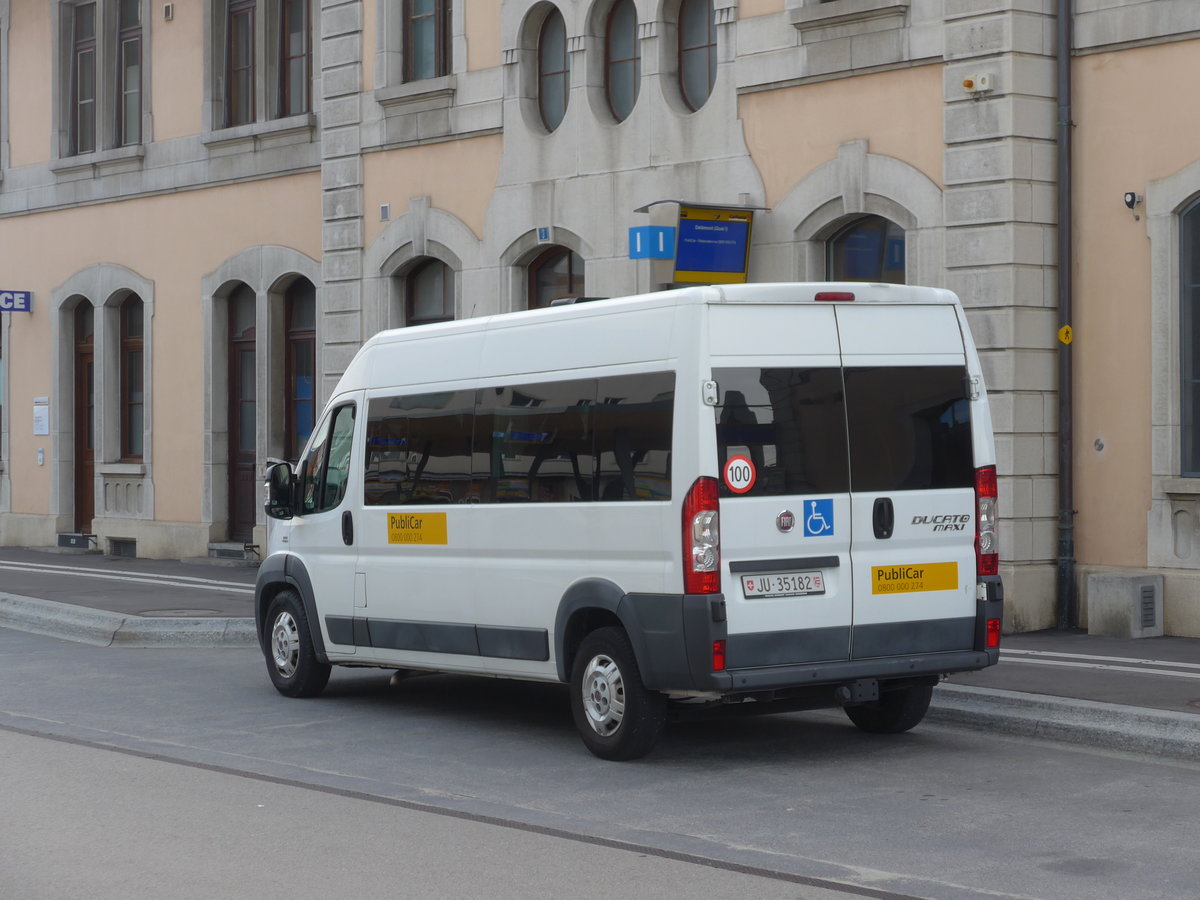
(783, 472)
(912, 479)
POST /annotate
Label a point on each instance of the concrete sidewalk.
(1139, 696)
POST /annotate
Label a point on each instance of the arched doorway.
(85, 416)
(243, 405)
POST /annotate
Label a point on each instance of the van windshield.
(829, 430)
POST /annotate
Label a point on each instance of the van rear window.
(909, 428)
(790, 423)
(828, 430)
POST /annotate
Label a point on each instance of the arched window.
(697, 51)
(554, 74)
(133, 377)
(868, 249)
(1189, 344)
(622, 59)
(429, 293)
(558, 272)
(300, 324)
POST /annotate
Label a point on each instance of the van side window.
(790, 423)
(910, 428)
(533, 443)
(552, 442)
(419, 449)
(633, 436)
(326, 468)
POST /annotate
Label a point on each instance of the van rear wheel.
(291, 660)
(895, 711)
(617, 717)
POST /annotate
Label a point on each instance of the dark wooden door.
(243, 488)
(85, 419)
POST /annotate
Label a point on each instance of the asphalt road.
(159, 759)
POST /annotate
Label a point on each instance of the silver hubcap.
(285, 644)
(603, 695)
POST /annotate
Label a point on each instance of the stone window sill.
(417, 92)
(1182, 488)
(125, 470)
(248, 134)
(118, 157)
(814, 15)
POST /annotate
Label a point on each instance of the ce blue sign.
(16, 301)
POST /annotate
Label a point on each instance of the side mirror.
(280, 490)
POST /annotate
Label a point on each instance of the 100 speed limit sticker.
(739, 474)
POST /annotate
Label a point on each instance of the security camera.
(1132, 199)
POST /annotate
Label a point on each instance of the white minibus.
(755, 497)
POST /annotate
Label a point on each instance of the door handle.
(883, 517)
(347, 528)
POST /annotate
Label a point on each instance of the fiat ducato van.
(755, 497)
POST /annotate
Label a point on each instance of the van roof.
(757, 293)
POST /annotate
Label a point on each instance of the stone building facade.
(215, 202)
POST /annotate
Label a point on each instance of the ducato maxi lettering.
(944, 523)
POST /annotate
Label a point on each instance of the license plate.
(783, 584)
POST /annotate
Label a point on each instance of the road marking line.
(1104, 666)
(183, 581)
(1117, 659)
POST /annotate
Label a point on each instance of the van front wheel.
(291, 661)
(617, 717)
(894, 711)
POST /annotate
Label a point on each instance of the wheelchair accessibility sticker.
(818, 518)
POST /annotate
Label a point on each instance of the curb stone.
(1113, 726)
(102, 628)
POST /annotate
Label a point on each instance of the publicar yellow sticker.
(417, 528)
(905, 579)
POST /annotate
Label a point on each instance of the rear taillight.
(701, 539)
(987, 557)
(834, 296)
(718, 660)
(993, 634)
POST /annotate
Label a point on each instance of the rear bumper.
(673, 637)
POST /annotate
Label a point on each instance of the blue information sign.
(713, 245)
(16, 301)
(651, 242)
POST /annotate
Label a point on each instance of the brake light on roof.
(987, 556)
(701, 538)
(834, 296)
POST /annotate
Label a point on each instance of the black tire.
(617, 717)
(894, 711)
(291, 661)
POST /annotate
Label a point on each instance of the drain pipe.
(1065, 579)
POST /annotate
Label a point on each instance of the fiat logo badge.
(785, 521)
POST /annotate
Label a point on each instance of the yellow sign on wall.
(903, 579)
(417, 528)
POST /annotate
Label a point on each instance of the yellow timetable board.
(417, 528)
(904, 579)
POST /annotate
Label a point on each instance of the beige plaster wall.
(483, 34)
(177, 70)
(173, 241)
(748, 8)
(458, 177)
(792, 131)
(29, 78)
(1129, 131)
